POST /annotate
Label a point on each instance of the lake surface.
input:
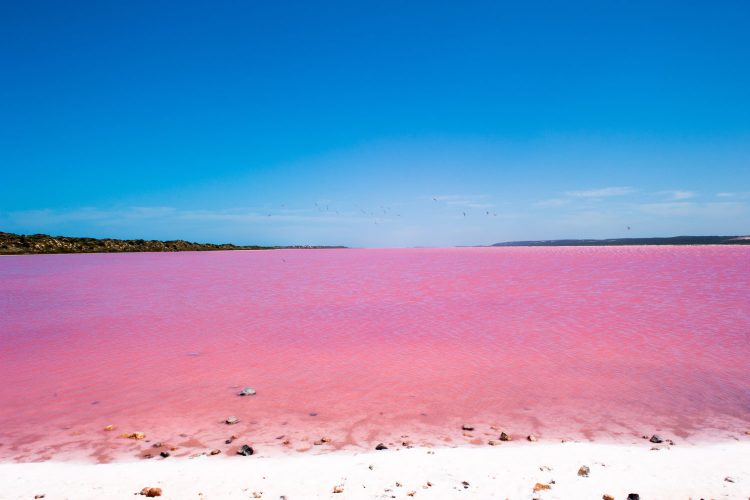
(367, 346)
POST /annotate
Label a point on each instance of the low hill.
(18, 244)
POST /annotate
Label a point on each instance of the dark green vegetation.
(674, 240)
(17, 244)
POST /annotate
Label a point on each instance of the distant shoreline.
(20, 244)
(673, 240)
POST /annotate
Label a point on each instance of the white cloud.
(601, 192)
(678, 195)
(552, 202)
(692, 209)
(741, 195)
(468, 201)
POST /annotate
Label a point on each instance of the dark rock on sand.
(465, 484)
(505, 437)
(656, 439)
(531, 438)
(151, 492)
(467, 427)
(215, 451)
(729, 479)
(247, 391)
(164, 454)
(245, 450)
(584, 471)
(381, 446)
(634, 496)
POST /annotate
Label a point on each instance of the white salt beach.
(510, 470)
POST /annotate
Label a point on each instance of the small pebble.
(634, 496)
(656, 439)
(531, 438)
(584, 471)
(607, 497)
(505, 437)
(465, 484)
(151, 492)
(338, 488)
(215, 451)
(729, 479)
(381, 446)
(164, 454)
(467, 427)
(232, 420)
(247, 391)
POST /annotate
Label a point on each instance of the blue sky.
(375, 123)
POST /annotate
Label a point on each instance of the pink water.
(584, 343)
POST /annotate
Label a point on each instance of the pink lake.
(604, 343)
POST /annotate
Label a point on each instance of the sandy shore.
(510, 471)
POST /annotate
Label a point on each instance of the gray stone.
(247, 391)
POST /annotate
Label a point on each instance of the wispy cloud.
(601, 192)
(468, 201)
(674, 194)
(740, 195)
(552, 202)
(692, 209)
(124, 215)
